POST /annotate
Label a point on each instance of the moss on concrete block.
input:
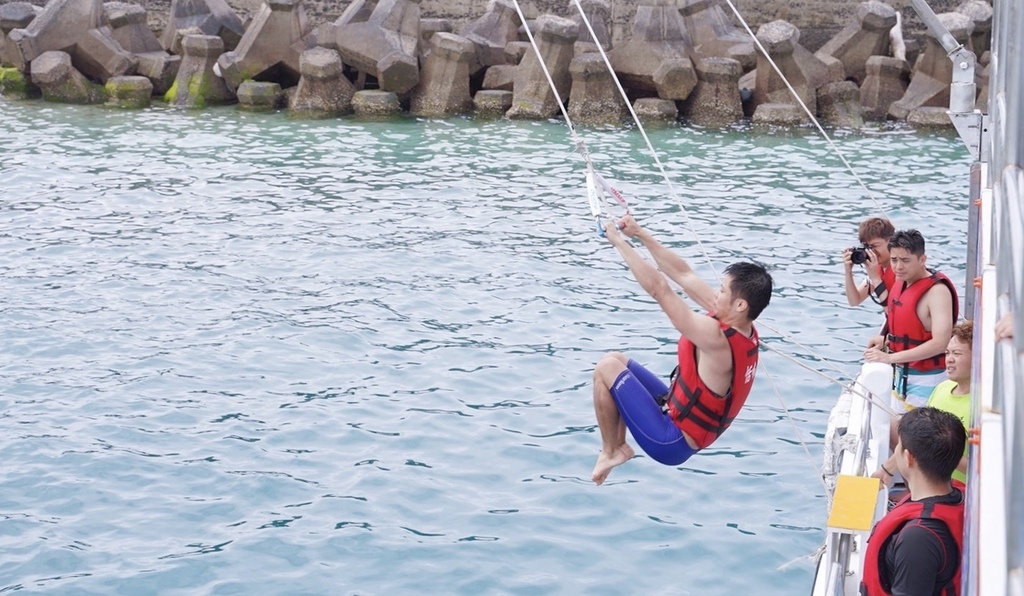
(199, 93)
(129, 92)
(259, 96)
(75, 92)
(15, 85)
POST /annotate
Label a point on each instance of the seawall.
(818, 20)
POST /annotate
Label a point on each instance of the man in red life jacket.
(915, 548)
(922, 308)
(874, 234)
(717, 357)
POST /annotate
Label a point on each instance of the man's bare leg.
(614, 449)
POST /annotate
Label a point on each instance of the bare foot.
(606, 462)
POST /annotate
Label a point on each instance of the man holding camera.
(921, 310)
(873, 254)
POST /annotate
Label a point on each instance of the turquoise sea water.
(242, 354)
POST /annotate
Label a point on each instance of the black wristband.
(884, 470)
(880, 289)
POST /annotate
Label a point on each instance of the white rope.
(813, 557)
(796, 429)
(848, 387)
(581, 146)
(807, 349)
(647, 140)
(839, 153)
(668, 181)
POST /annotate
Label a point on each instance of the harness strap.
(910, 341)
(693, 401)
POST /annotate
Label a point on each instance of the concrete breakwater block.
(929, 117)
(653, 109)
(716, 99)
(129, 28)
(713, 35)
(839, 104)
(130, 92)
(532, 94)
(60, 82)
(13, 15)
(272, 41)
(866, 36)
(202, 17)
(980, 13)
(804, 71)
(492, 33)
(594, 98)
(492, 102)
(258, 96)
(381, 38)
(443, 89)
(375, 102)
(78, 28)
(323, 88)
(933, 71)
(196, 85)
(885, 83)
(780, 114)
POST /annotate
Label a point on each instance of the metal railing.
(995, 522)
(994, 550)
(1007, 176)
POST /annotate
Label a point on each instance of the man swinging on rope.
(717, 359)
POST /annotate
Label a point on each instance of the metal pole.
(931, 20)
(969, 122)
(973, 217)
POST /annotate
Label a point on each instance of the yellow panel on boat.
(853, 503)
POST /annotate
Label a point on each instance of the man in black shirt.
(915, 549)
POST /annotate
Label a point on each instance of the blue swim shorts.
(636, 393)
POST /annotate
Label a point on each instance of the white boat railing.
(994, 551)
(857, 442)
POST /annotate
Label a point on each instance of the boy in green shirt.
(952, 395)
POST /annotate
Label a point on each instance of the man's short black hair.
(753, 283)
(936, 438)
(911, 240)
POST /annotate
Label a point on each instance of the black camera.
(859, 254)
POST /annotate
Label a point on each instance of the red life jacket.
(889, 279)
(907, 510)
(697, 410)
(905, 329)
